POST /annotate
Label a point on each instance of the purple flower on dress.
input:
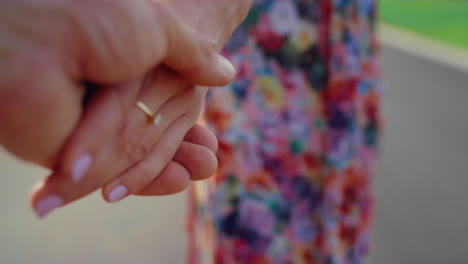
(304, 229)
(284, 18)
(255, 215)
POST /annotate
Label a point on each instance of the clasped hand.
(53, 52)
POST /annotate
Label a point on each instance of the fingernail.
(80, 167)
(227, 66)
(46, 205)
(117, 193)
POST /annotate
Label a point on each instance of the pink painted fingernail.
(80, 167)
(47, 204)
(117, 193)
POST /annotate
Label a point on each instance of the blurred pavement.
(422, 213)
(422, 206)
(137, 230)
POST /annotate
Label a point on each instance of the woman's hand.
(116, 147)
(49, 49)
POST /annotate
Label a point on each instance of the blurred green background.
(445, 20)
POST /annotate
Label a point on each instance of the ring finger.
(112, 154)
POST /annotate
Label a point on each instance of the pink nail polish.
(117, 193)
(80, 167)
(47, 204)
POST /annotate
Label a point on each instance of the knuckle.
(194, 98)
(125, 145)
(194, 112)
(127, 139)
(122, 148)
(200, 92)
(141, 150)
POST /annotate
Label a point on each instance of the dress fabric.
(298, 134)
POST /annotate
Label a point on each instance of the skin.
(71, 43)
(151, 171)
(63, 44)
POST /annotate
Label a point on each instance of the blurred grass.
(445, 20)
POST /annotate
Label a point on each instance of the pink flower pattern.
(298, 138)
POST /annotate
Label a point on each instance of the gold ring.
(156, 119)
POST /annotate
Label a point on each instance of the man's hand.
(49, 49)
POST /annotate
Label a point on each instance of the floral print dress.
(298, 133)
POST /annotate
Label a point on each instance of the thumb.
(125, 39)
